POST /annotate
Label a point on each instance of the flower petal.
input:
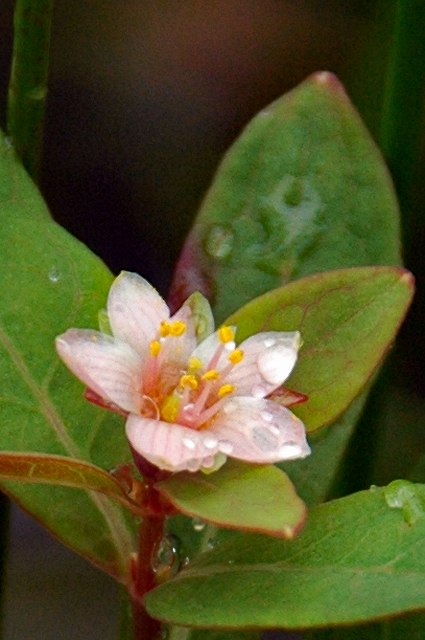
(135, 311)
(109, 367)
(171, 446)
(208, 348)
(259, 430)
(268, 360)
(177, 350)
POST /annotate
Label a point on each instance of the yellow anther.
(170, 408)
(212, 374)
(177, 329)
(189, 381)
(236, 356)
(226, 334)
(225, 390)
(164, 329)
(155, 348)
(195, 364)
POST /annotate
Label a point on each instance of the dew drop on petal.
(193, 465)
(258, 391)
(269, 342)
(188, 443)
(198, 524)
(165, 560)
(275, 430)
(210, 443)
(290, 451)
(275, 364)
(266, 416)
(264, 439)
(226, 447)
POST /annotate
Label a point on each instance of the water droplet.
(185, 561)
(264, 440)
(219, 241)
(275, 430)
(226, 447)
(54, 275)
(266, 416)
(290, 451)
(164, 634)
(166, 561)
(188, 443)
(198, 524)
(407, 496)
(230, 562)
(269, 342)
(210, 443)
(373, 488)
(258, 391)
(212, 543)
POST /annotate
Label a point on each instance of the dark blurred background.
(145, 97)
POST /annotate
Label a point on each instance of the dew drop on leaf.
(54, 275)
(166, 560)
(405, 495)
(219, 241)
(198, 524)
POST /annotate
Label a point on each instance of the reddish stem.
(150, 535)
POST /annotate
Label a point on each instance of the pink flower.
(188, 405)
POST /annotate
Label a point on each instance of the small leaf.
(356, 560)
(347, 320)
(239, 496)
(65, 472)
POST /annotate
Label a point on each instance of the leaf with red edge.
(33, 468)
(239, 496)
(347, 319)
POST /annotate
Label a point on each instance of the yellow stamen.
(155, 348)
(190, 381)
(164, 329)
(236, 356)
(177, 329)
(170, 408)
(225, 390)
(226, 334)
(195, 364)
(212, 374)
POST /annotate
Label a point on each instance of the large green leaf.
(51, 282)
(347, 319)
(239, 496)
(358, 558)
(303, 190)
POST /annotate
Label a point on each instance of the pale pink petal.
(135, 311)
(206, 350)
(268, 360)
(260, 431)
(178, 350)
(171, 446)
(109, 367)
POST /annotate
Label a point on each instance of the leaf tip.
(407, 278)
(328, 80)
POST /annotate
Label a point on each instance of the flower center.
(190, 396)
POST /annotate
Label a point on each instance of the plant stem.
(28, 80)
(150, 535)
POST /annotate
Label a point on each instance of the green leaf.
(356, 560)
(50, 282)
(239, 496)
(303, 190)
(347, 320)
(60, 471)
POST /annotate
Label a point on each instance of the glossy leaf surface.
(64, 472)
(239, 496)
(357, 559)
(50, 282)
(303, 190)
(347, 319)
